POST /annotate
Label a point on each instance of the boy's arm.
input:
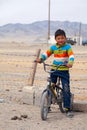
(44, 56)
(71, 57)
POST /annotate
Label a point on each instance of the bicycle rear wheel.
(61, 103)
(44, 105)
(62, 109)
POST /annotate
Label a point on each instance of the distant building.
(51, 40)
(77, 39)
(84, 42)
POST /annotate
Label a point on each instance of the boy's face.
(60, 40)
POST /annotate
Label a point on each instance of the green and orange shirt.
(62, 54)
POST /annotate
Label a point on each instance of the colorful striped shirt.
(62, 54)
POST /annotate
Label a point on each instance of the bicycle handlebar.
(50, 71)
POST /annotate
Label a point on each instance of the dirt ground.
(16, 60)
(28, 118)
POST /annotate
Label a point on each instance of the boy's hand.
(38, 60)
(69, 65)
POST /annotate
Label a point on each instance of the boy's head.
(60, 37)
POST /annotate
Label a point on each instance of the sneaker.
(69, 113)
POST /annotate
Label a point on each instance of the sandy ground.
(16, 60)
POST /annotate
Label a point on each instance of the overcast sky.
(28, 11)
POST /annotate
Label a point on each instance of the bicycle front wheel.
(44, 105)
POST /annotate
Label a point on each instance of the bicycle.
(49, 93)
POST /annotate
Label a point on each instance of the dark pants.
(65, 79)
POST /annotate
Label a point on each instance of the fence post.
(34, 68)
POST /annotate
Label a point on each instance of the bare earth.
(16, 61)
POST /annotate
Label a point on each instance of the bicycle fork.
(52, 87)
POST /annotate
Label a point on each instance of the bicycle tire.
(44, 105)
(62, 109)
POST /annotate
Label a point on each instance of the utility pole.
(49, 20)
(79, 32)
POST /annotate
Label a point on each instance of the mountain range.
(37, 32)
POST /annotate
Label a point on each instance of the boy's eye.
(60, 38)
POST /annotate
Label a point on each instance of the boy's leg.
(66, 92)
(66, 88)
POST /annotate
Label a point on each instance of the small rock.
(14, 118)
(24, 116)
(1, 100)
(20, 90)
(7, 90)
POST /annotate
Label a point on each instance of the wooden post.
(34, 68)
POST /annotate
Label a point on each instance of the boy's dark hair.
(60, 32)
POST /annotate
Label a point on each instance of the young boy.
(62, 54)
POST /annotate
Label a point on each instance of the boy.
(62, 54)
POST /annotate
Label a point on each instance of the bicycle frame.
(49, 80)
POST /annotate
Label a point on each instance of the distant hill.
(38, 31)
